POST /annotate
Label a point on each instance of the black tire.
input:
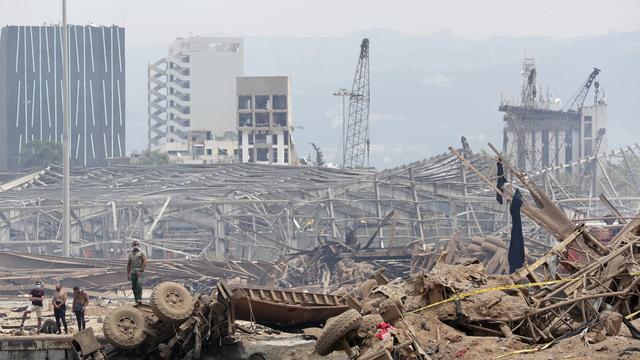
(49, 327)
(336, 329)
(368, 327)
(99, 355)
(171, 302)
(364, 289)
(125, 327)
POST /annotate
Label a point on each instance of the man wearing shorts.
(37, 299)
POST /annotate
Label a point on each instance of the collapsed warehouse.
(433, 226)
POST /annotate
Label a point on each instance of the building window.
(274, 139)
(209, 152)
(588, 129)
(222, 152)
(260, 139)
(568, 146)
(245, 120)
(280, 119)
(262, 120)
(239, 138)
(274, 155)
(286, 137)
(262, 102)
(262, 154)
(244, 102)
(280, 102)
(545, 148)
(250, 136)
(286, 156)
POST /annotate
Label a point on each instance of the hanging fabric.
(516, 246)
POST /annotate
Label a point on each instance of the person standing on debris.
(59, 301)
(80, 302)
(135, 269)
(37, 299)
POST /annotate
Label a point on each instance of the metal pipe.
(65, 133)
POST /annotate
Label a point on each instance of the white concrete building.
(264, 120)
(193, 89)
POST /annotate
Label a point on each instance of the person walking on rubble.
(59, 301)
(37, 299)
(80, 302)
(135, 268)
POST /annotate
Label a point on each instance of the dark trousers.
(61, 316)
(82, 324)
(136, 285)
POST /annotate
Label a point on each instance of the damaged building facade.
(264, 120)
(192, 98)
(539, 132)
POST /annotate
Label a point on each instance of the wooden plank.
(559, 247)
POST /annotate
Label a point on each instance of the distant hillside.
(425, 91)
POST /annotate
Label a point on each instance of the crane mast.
(356, 147)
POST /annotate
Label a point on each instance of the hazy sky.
(161, 20)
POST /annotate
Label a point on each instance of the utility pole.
(65, 133)
(344, 93)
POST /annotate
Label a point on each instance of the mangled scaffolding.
(261, 212)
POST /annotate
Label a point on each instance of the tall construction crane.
(577, 100)
(357, 137)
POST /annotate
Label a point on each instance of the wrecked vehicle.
(175, 325)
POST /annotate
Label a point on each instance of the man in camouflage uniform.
(135, 269)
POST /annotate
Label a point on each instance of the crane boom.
(577, 100)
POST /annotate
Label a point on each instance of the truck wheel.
(336, 330)
(171, 302)
(124, 327)
(369, 325)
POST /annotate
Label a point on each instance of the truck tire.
(335, 330)
(125, 327)
(171, 302)
(368, 327)
(364, 289)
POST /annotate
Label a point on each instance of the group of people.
(135, 268)
(59, 302)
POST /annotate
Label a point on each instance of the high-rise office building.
(31, 101)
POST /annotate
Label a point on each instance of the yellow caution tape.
(632, 315)
(511, 287)
(524, 351)
(464, 295)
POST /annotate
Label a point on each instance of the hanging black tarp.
(516, 246)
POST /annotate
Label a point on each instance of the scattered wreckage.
(175, 325)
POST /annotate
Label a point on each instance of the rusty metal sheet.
(285, 308)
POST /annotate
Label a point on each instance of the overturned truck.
(175, 325)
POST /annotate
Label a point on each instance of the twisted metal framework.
(357, 138)
(236, 211)
(157, 102)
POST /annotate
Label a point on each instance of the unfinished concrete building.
(264, 120)
(539, 132)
